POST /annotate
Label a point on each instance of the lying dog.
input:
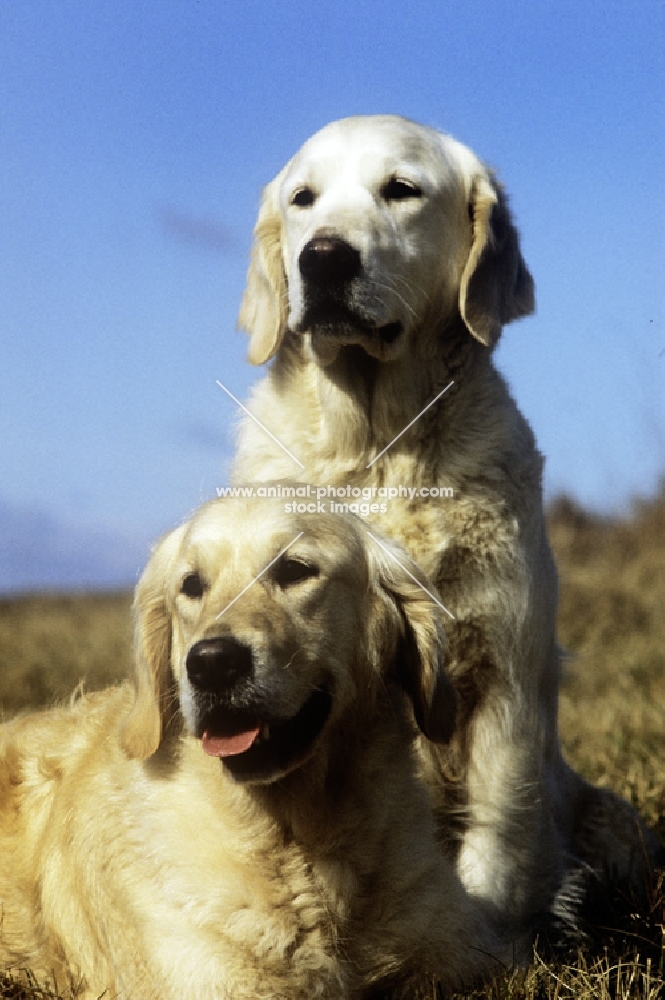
(303, 862)
(385, 265)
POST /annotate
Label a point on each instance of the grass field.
(612, 622)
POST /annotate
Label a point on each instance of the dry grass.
(612, 622)
(25, 988)
(612, 619)
(50, 643)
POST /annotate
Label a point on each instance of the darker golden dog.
(247, 820)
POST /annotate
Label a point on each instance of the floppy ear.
(142, 729)
(264, 306)
(422, 648)
(496, 286)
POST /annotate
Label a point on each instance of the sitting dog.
(245, 821)
(385, 265)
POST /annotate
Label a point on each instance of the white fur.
(446, 266)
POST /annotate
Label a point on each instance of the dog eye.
(192, 586)
(290, 571)
(303, 197)
(397, 189)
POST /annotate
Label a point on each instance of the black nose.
(329, 259)
(217, 664)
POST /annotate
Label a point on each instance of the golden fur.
(133, 862)
(384, 267)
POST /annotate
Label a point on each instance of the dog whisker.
(388, 286)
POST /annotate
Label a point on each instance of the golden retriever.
(246, 821)
(384, 267)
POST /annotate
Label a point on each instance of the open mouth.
(253, 748)
(336, 320)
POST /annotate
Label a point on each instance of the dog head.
(266, 628)
(376, 224)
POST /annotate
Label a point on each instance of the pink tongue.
(228, 746)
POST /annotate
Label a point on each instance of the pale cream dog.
(303, 863)
(385, 265)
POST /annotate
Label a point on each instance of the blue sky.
(135, 138)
